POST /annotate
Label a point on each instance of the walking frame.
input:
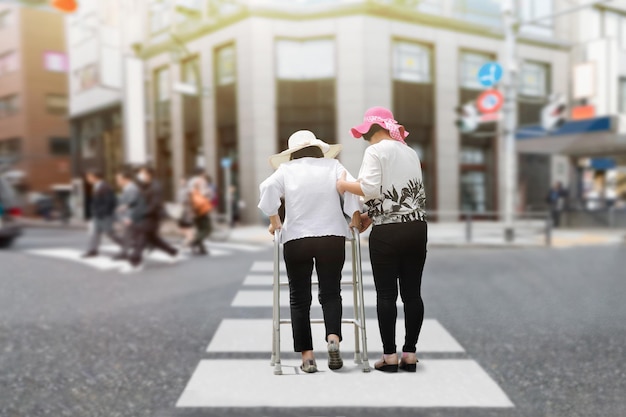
(360, 335)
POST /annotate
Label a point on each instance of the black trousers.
(329, 254)
(147, 234)
(398, 254)
(203, 230)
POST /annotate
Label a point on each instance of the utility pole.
(511, 28)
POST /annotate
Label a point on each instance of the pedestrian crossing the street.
(446, 377)
(105, 261)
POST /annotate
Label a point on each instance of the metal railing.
(534, 223)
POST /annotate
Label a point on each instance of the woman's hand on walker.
(366, 222)
(275, 224)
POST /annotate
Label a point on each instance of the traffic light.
(468, 118)
(553, 114)
(67, 6)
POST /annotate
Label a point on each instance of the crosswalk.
(447, 377)
(105, 262)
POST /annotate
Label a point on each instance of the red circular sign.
(490, 101)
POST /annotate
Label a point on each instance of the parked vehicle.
(9, 211)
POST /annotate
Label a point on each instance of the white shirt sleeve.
(272, 190)
(371, 176)
(351, 202)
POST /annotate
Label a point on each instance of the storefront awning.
(592, 137)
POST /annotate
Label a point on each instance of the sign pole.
(510, 116)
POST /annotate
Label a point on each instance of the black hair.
(373, 130)
(126, 172)
(308, 152)
(199, 171)
(95, 172)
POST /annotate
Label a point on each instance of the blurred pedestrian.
(185, 220)
(200, 196)
(129, 197)
(103, 205)
(556, 199)
(146, 219)
(314, 233)
(390, 180)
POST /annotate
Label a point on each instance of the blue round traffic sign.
(489, 74)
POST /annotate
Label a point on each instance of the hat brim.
(362, 129)
(285, 156)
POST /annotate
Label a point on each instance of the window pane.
(411, 62)
(305, 60)
(472, 156)
(6, 19)
(534, 79)
(473, 191)
(59, 146)
(622, 95)
(163, 84)
(9, 62)
(471, 62)
(159, 16)
(56, 104)
(485, 12)
(226, 65)
(86, 77)
(9, 105)
(55, 61)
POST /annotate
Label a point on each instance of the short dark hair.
(125, 172)
(308, 152)
(199, 171)
(95, 172)
(148, 169)
(373, 130)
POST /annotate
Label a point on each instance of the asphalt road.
(545, 325)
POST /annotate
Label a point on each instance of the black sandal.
(383, 366)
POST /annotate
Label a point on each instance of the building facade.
(34, 134)
(270, 68)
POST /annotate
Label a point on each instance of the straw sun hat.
(300, 140)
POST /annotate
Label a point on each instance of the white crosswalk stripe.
(104, 261)
(445, 383)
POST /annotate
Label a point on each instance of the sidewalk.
(453, 234)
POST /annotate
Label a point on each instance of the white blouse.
(312, 203)
(391, 180)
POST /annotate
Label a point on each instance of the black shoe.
(90, 254)
(408, 362)
(383, 365)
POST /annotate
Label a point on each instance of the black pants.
(398, 254)
(329, 255)
(147, 234)
(203, 230)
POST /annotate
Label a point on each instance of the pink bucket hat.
(384, 118)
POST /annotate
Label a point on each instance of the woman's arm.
(353, 187)
(275, 224)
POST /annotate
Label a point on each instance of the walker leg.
(275, 359)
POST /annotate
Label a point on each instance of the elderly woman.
(390, 181)
(315, 229)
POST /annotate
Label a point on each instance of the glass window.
(226, 65)
(163, 84)
(474, 191)
(86, 77)
(411, 62)
(622, 95)
(484, 12)
(472, 156)
(59, 146)
(305, 60)
(55, 61)
(56, 104)
(159, 16)
(9, 105)
(9, 62)
(6, 19)
(10, 147)
(533, 79)
(471, 62)
(533, 9)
